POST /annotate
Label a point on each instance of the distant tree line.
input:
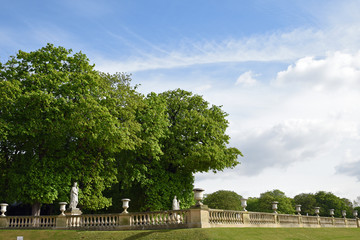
(230, 200)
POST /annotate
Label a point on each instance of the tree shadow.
(147, 233)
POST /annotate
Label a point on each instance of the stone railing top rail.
(159, 212)
(222, 210)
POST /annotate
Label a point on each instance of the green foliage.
(223, 199)
(61, 121)
(327, 200)
(324, 200)
(196, 140)
(182, 135)
(253, 204)
(264, 203)
(358, 209)
(307, 202)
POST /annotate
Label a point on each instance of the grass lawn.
(198, 234)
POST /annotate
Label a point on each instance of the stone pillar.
(246, 217)
(300, 221)
(124, 219)
(276, 219)
(3, 222)
(61, 222)
(198, 217)
(332, 212)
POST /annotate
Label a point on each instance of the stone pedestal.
(3, 222)
(246, 218)
(198, 217)
(124, 219)
(73, 211)
(61, 222)
(300, 221)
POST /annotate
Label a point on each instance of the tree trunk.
(36, 209)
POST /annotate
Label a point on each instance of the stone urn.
(274, 206)
(3, 209)
(343, 213)
(243, 204)
(62, 207)
(198, 195)
(317, 210)
(125, 204)
(298, 209)
(355, 213)
(332, 212)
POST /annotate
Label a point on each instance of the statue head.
(75, 184)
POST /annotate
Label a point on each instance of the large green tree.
(324, 200)
(307, 202)
(223, 199)
(264, 202)
(61, 121)
(188, 135)
(328, 200)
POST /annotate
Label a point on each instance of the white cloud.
(247, 79)
(336, 70)
(285, 144)
(300, 134)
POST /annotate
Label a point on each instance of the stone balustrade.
(189, 218)
(159, 219)
(310, 220)
(327, 221)
(89, 221)
(31, 222)
(257, 218)
(288, 219)
(198, 216)
(352, 222)
(225, 217)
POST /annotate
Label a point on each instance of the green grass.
(198, 234)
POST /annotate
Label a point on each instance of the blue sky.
(287, 72)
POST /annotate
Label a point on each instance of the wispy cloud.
(279, 46)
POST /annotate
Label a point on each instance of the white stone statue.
(176, 204)
(74, 196)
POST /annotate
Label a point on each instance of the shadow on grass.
(145, 234)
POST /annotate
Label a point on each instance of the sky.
(286, 72)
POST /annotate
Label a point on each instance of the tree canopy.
(264, 202)
(62, 121)
(324, 200)
(223, 199)
(188, 135)
(307, 202)
(328, 200)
